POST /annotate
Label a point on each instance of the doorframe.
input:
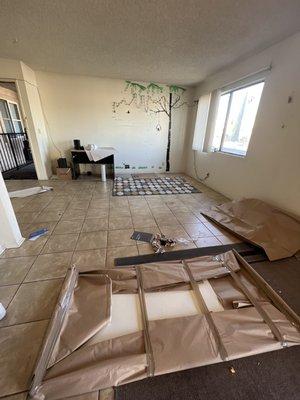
(31, 133)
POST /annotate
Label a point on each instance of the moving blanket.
(253, 320)
(257, 222)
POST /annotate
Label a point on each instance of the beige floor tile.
(199, 215)
(92, 240)
(228, 239)
(119, 212)
(101, 204)
(23, 342)
(187, 218)
(143, 221)
(48, 216)
(14, 270)
(64, 227)
(120, 223)
(79, 205)
(197, 231)
(26, 217)
(177, 209)
(119, 202)
(174, 231)
(23, 227)
(60, 243)
(214, 228)
(7, 293)
(120, 237)
(28, 248)
(33, 301)
(82, 196)
(49, 266)
(207, 242)
(97, 213)
(140, 213)
(119, 252)
(145, 248)
(74, 214)
(32, 206)
(165, 220)
(57, 205)
(95, 224)
(90, 259)
(162, 213)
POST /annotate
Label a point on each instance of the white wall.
(78, 107)
(271, 169)
(24, 77)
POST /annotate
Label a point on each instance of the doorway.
(16, 160)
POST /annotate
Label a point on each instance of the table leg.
(103, 173)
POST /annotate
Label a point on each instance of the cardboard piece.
(261, 224)
(64, 174)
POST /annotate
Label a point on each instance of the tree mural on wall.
(156, 99)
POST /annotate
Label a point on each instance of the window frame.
(11, 119)
(230, 91)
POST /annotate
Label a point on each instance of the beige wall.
(78, 107)
(271, 169)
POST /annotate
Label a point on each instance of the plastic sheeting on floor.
(258, 222)
(78, 356)
(29, 191)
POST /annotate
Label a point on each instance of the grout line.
(24, 323)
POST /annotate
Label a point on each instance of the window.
(235, 118)
(10, 117)
(201, 122)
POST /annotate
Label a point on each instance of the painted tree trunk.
(169, 134)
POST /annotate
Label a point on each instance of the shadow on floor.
(26, 172)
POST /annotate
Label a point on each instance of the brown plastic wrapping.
(230, 294)
(176, 343)
(91, 302)
(259, 223)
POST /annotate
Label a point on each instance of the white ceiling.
(168, 41)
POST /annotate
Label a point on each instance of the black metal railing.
(14, 151)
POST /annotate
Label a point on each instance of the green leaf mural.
(154, 98)
(135, 85)
(176, 89)
(154, 88)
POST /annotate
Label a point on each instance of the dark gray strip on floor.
(250, 252)
(267, 376)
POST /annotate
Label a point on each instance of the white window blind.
(201, 122)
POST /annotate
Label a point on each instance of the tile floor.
(89, 228)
